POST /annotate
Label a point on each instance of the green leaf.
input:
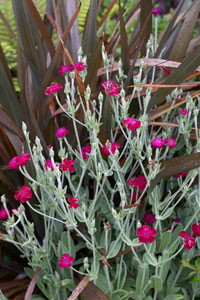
(196, 279)
(168, 213)
(67, 244)
(114, 248)
(142, 279)
(166, 238)
(156, 283)
(174, 297)
(150, 259)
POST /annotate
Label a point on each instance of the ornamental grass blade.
(161, 110)
(184, 35)
(8, 98)
(67, 9)
(89, 39)
(187, 67)
(168, 32)
(124, 42)
(29, 37)
(41, 26)
(53, 67)
(7, 122)
(96, 61)
(146, 11)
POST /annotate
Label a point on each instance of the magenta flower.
(158, 143)
(110, 86)
(53, 88)
(183, 174)
(65, 261)
(184, 112)
(67, 165)
(146, 234)
(80, 66)
(64, 69)
(23, 194)
(20, 160)
(196, 229)
(49, 165)
(85, 151)
(177, 220)
(113, 147)
(131, 123)
(149, 218)
(73, 203)
(3, 214)
(156, 11)
(61, 132)
(171, 143)
(139, 182)
(189, 242)
(165, 70)
(135, 197)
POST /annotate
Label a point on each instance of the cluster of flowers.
(20, 160)
(160, 143)
(189, 241)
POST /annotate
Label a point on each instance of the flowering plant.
(95, 200)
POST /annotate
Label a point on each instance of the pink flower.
(23, 194)
(67, 165)
(49, 165)
(156, 11)
(184, 112)
(73, 203)
(3, 214)
(64, 69)
(139, 182)
(135, 197)
(131, 123)
(110, 86)
(158, 143)
(80, 66)
(196, 229)
(113, 147)
(61, 132)
(50, 146)
(171, 143)
(177, 220)
(85, 151)
(20, 160)
(149, 218)
(65, 261)
(53, 88)
(189, 242)
(183, 174)
(146, 234)
(165, 70)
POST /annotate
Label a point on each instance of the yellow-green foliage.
(85, 4)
